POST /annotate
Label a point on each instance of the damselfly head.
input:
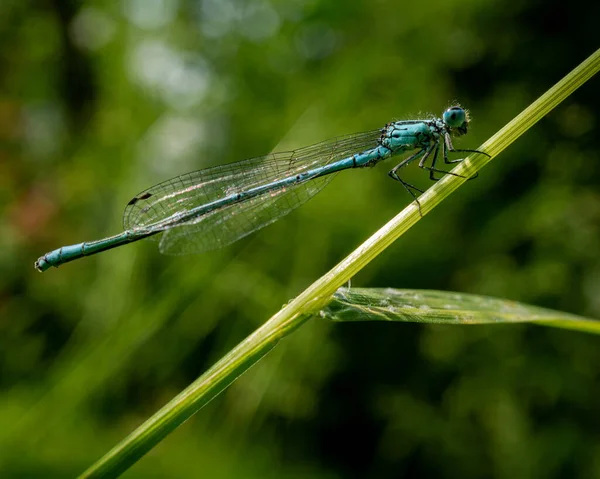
(457, 119)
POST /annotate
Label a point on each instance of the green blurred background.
(101, 99)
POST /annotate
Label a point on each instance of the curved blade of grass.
(444, 307)
(297, 311)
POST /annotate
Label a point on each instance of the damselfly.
(213, 207)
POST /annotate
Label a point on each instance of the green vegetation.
(102, 100)
(444, 307)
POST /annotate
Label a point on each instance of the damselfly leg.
(407, 186)
(424, 154)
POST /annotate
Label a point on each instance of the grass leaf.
(444, 307)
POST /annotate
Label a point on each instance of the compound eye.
(455, 117)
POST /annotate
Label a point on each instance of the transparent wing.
(225, 225)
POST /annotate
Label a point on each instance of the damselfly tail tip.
(41, 264)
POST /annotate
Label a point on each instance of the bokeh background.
(101, 99)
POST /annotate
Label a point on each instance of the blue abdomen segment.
(69, 253)
(370, 157)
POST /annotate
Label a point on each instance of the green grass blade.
(444, 307)
(296, 312)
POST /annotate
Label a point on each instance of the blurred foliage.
(100, 99)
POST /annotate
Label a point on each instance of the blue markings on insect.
(211, 208)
